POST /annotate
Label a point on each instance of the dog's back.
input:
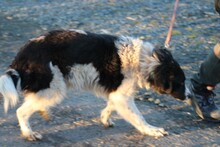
(67, 49)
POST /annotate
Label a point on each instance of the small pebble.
(150, 99)
(142, 37)
(161, 105)
(9, 18)
(157, 101)
(139, 98)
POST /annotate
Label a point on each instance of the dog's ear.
(155, 56)
(162, 55)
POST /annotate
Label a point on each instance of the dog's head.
(167, 77)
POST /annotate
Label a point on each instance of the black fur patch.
(217, 6)
(32, 64)
(64, 49)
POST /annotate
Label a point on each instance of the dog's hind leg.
(23, 114)
(126, 107)
(105, 115)
(36, 102)
(41, 102)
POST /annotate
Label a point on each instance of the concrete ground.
(75, 122)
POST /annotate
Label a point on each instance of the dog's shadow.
(83, 131)
(179, 123)
(68, 126)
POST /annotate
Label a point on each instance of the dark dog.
(109, 66)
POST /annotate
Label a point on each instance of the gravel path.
(75, 122)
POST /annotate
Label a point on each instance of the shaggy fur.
(109, 66)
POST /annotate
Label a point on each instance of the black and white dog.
(109, 66)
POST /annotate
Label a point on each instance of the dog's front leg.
(126, 107)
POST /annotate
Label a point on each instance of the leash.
(169, 33)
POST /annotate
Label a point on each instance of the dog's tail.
(8, 84)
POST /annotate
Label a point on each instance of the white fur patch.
(137, 60)
(38, 39)
(147, 63)
(129, 50)
(78, 31)
(85, 77)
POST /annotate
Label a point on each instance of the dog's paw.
(155, 131)
(108, 123)
(33, 136)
